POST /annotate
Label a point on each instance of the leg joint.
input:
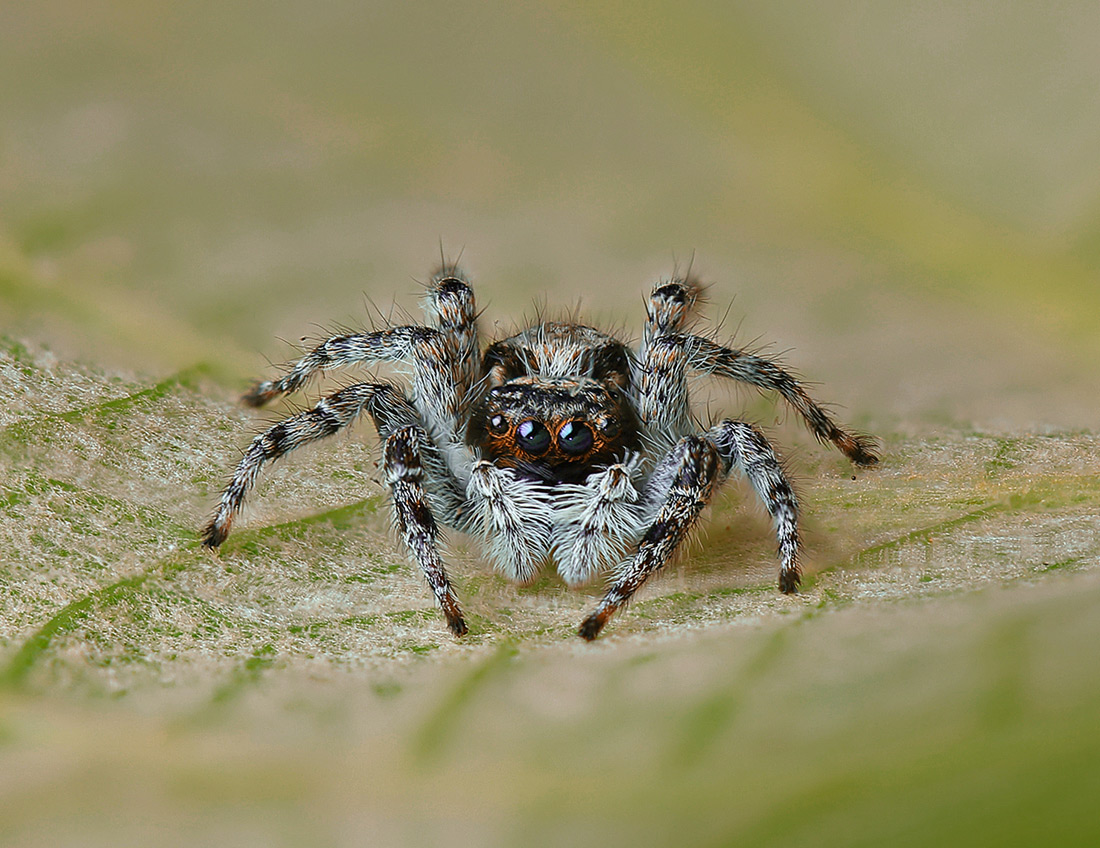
(402, 455)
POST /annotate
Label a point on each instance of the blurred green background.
(905, 199)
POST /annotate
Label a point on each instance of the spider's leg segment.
(427, 349)
(744, 447)
(694, 467)
(662, 368)
(708, 357)
(383, 402)
(450, 307)
(413, 515)
(606, 517)
(670, 306)
(514, 516)
(663, 401)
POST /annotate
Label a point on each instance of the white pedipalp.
(595, 522)
(514, 517)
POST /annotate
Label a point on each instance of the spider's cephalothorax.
(559, 443)
(555, 409)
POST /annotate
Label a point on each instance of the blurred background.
(905, 196)
(901, 199)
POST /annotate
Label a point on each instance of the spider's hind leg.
(744, 447)
(693, 466)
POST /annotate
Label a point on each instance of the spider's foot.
(457, 625)
(214, 533)
(260, 394)
(455, 622)
(789, 580)
(862, 450)
(590, 628)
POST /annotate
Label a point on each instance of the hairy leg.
(450, 307)
(664, 404)
(674, 353)
(661, 373)
(394, 344)
(743, 447)
(693, 465)
(385, 404)
(414, 519)
(430, 353)
(670, 307)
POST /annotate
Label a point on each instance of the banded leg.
(673, 354)
(662, 373)
(670, 307)
(383, 402)
(413, 515)
(449, 306)
(429, 351)
(596, 523)
(694, 464)
(514, 519)
(663, 401)
(745, 448)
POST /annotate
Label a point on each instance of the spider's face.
(557, 430)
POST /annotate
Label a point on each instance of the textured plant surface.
(180, 188)
(936, 667)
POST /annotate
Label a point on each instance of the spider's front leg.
(450, 307)
(670, 307)
(404, 473)
(694, 468)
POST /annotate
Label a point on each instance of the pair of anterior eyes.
(573, 437)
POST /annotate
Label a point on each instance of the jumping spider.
(559, 442)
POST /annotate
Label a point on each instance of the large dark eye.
(533, 437)
(575, 437)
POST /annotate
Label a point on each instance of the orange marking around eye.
(506, 451)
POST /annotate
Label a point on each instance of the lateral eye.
(575, 437)
(609, 427)
(498, 424)
(533, 437)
